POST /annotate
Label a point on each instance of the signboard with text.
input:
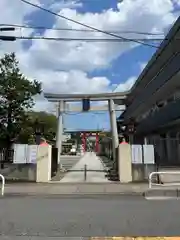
(32, 154)
(24, 153)
(148, 151)
(136, 154)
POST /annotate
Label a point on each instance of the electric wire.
(89, 39)
(79, 30)
(85, 25)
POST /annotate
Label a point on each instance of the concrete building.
(153, 104)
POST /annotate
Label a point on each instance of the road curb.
(162, 193)
(76, 194)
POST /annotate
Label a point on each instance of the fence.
(3, 184)
(86, 170)
(151, 175)
(6, 156)
(167, 151)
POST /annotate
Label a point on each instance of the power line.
(101, 112)
(80, 30)
(113, 90)
(72, 114)
(85, 25)
(89, 39)
(116, 40)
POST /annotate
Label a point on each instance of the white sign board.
(148, 151)
(20, 154)
(32, 154)
(136, 154)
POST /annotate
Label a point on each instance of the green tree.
(16, 97)
(47, 124)
(27, 134)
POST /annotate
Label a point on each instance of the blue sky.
(117, 74)
(103, 66)
(121, 69)
(97, 5)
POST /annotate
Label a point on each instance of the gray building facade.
(153, 104)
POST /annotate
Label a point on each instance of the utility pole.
(7, 38)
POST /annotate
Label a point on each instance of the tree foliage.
(47, 124)
(16, 97)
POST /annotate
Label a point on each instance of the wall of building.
(141, 172)
(166, 146)
(19, 172)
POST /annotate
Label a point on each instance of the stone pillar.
(125, 163)
(43, 167)
(59, 133)
(115, 139)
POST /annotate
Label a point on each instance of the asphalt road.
(54, 217)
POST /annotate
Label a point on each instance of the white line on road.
(161, 198)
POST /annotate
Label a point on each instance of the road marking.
(161, 198)
(135, 238)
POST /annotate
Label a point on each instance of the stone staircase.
(67, 162)
(112, 173)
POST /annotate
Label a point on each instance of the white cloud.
(63, 66)
(73, 81)
(13, 12)
(126, 85)
(87, 56)
(142, 66)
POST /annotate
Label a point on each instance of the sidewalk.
(35, 189)
(92, 162)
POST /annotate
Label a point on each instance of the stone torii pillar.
(114, 131)
(59, 132)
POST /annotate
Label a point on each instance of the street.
(75, 216)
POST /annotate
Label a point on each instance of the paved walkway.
(93, 163)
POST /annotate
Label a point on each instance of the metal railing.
(86, 170)
(3, 184)
(163, 184)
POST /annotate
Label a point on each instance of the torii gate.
(84, 136)
(113, 98)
